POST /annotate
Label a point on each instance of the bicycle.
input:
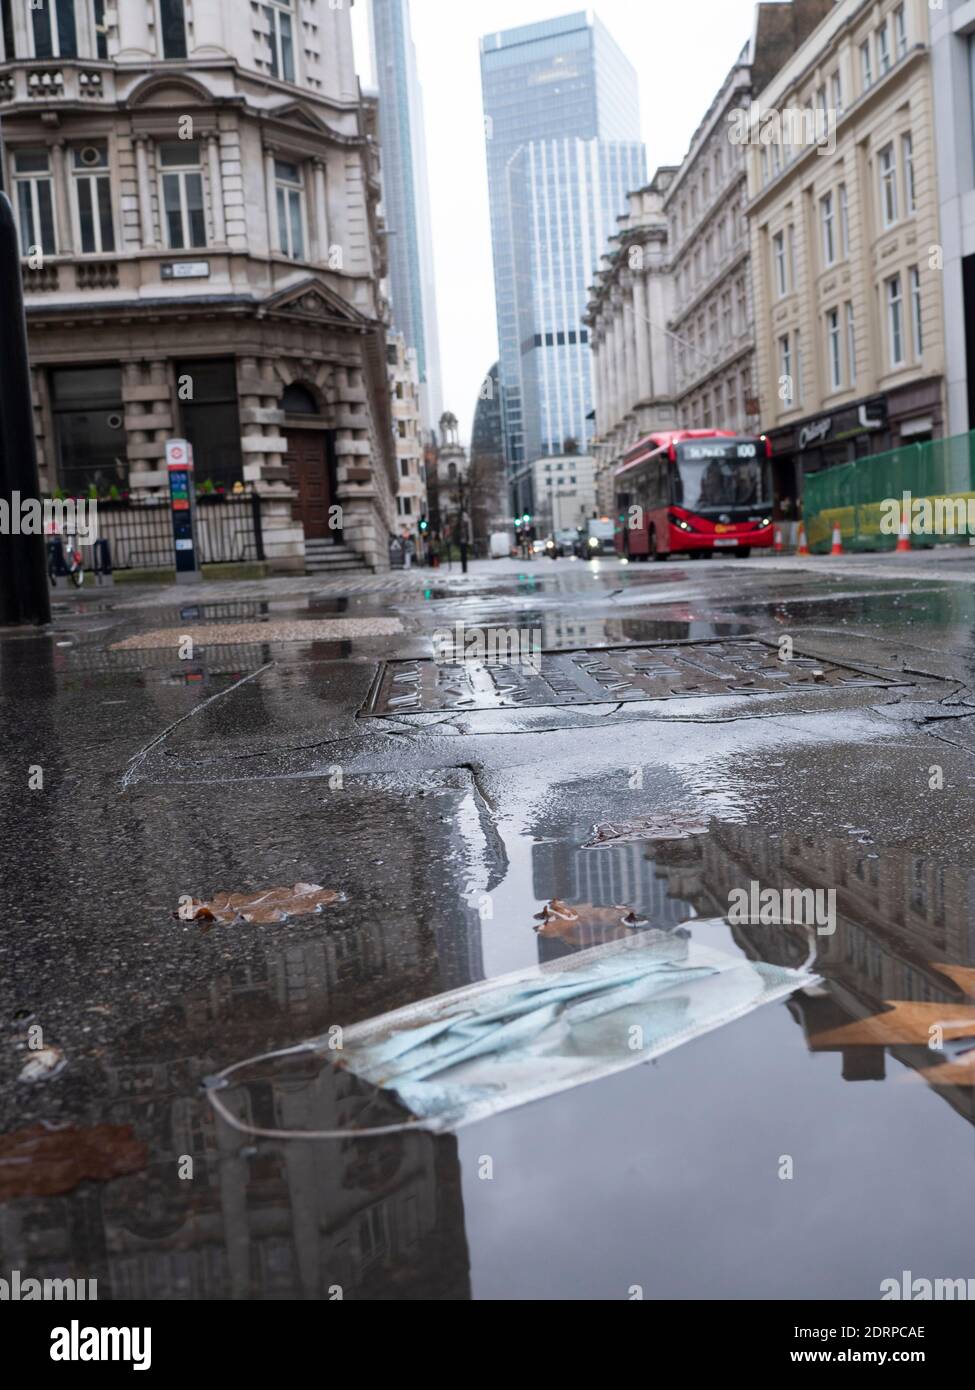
(64, 557)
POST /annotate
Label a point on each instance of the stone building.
(197, 189)
(405, 396)
(447, 479)
(844, 240)
(564, 489)
(952, 65)
(713, 343)
(627, 315)
(713, 338)
(693, 261)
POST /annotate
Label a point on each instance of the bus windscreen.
(711, 477)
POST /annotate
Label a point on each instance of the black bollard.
(25, 595)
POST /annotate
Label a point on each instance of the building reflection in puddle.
(256, 1219)
(901, 960)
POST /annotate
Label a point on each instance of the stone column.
(262, 447)
(262, 444)
(146, 219)
(216, 190)
(336, 205)
(147, 403)
(629, 338)
(363, 491)
(321, 211)
(62, 206)
(643, 331)
(272, 222)
(619, 363)
(607, 355)
(605, 420)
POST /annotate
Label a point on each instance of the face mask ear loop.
(218, 1082)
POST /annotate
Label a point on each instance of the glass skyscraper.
(406, 196)
(562, 123)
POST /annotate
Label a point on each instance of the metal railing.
(229, 530)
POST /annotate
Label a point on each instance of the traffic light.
(527, 518)
(424, 524)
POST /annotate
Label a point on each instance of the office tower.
(406, 196)
(562, 126)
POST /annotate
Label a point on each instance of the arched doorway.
(311, 463)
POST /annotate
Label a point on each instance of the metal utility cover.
(597, 675)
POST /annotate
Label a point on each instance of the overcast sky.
(681, 51)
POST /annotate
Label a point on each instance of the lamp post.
(25, 595)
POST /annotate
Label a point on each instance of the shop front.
(909, 415)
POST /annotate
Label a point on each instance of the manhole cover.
(601, 674)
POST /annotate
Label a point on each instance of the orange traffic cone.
(801, 547)
(777, 540)
(904, 536)
(837, 546)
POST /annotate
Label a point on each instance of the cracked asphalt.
(252, 761)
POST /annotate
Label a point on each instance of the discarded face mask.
(490, 1046)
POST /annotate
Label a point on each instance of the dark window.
(173, 28)
(298, 400)
(87, 404)
(7, 20)
(55, 35)
(67, 33)
(101, 37)
(210, 421)
(43, 40)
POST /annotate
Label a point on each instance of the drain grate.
(596, 675)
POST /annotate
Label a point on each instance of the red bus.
(694, 492)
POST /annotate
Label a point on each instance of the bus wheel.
(744, 553)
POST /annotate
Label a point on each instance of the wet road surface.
(447, 823)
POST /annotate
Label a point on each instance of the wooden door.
(309, 466)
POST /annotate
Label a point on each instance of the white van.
(500, 545)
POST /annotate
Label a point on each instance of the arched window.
(298, 400)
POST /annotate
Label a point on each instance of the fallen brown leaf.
(39, 1162)
(263, 907)
(584, 924)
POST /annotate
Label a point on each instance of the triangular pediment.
(312, 299)
(297, 114)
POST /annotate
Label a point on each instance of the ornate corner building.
(197, 191)
(629, 308)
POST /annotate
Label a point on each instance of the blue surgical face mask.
(491, 1046)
